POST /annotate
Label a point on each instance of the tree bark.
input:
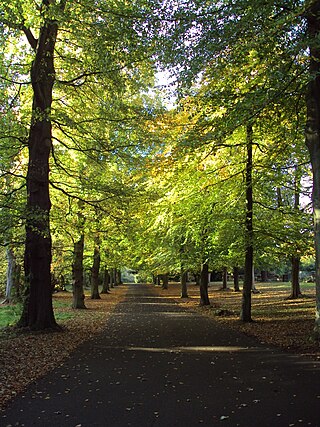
(312, 135)
(184, 288)
(118, 277)
(197, 278)
(204, 282)
(245, 314)
(95, 269)
(165, 281)
(106, 282)
(224, 279)
(38, 311)
(115, 277)
(13, 277)
(236, 279)
(295, 282)
(77, 274)
(264, 276)
(295, 259)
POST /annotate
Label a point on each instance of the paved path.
(158, 364)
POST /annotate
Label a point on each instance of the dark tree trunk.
(77, 274)
(295, 259)
(285, 277)
(112, 279)
(264, 276)
(245, 314)
(224, 279)
(295, 282)
(119, 278)
(165, 281)
(38, 311)
(115, 274)
(184, 288)
(197, 278)
(95, 270)
(236, 279)
(312, 133)
(204, 282)
(106, 282)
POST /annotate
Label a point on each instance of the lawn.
(10, 313)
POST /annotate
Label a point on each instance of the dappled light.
(199, 349)
(159, 213)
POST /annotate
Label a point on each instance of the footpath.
(158, 364)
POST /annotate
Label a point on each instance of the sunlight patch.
(209, 349)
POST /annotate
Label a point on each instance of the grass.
(10, 313)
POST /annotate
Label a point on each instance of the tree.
(204, 279)
(13, 285)
(95, 270)
(264, 46)
(77, 264)
(38, 310)
(313, 135)
(106, 52)
(245, 314)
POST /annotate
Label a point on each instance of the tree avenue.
(72, 59)
(264, 48)
(217, 181)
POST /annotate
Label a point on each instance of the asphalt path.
(158, 364)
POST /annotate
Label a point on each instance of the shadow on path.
(158, 364)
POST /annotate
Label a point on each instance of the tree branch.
(31, 39)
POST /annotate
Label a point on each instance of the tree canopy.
(90, 146)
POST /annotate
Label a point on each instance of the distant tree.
(95, 270)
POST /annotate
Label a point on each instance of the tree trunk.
(295, 283)
(13, 277)
(264, 276)
(115, 277)
(224, 279)
(197, 278)
(245, 314)
(165, 281)
(77, 274)
(95, 270)
(106, 282)
(295, 259)
(236, 279)
(118, 276)
(38, 311)
(112, 278)
(312, 134)
(184, 288)
(204, 282)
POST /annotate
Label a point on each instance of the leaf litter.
(26, 356)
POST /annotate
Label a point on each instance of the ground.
(27, 356)
(279, 321)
